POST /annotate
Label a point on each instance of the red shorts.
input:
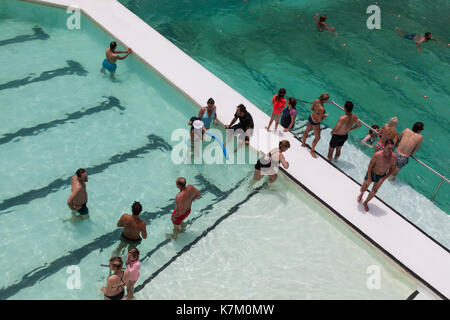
(277, 110)
(178, 220)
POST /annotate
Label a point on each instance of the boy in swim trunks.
(111, 57)
(133, 227)
(78, 197)
(183, 203)
(317, 115)
(412, 36)
(345, 124)
(380, 168)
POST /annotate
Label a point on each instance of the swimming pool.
(235, 41)
(68, 115)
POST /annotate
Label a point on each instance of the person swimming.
(371, 137)
(413, 36)
(322, 26)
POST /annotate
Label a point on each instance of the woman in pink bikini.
(133, 266)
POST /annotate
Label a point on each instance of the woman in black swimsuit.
(116, 282)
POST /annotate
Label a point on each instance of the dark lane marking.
(211, 188)
(73, 68)
(234, 209)
(39, 34)
(155, 142)
(74, 257)
(112, 102)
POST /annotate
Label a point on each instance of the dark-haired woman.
(289, 115)
(279, 102)
(208, 114)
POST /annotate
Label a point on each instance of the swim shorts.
(338, 140)
(84, 210)
(109, 66)
(409, 36)
(401, 160)
(179, 219)
(130, 242)
(375, 177)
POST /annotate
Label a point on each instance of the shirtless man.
(380, 168)
(321, 25)
(78, 198)
(412, 36)
(183, 202)
(409, 143)
(317, 115)
(111, 57)
(133, 226)
(345, 124)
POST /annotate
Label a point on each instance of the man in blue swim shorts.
(111, 57)
(416, 37)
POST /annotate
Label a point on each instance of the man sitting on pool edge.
(111, 57)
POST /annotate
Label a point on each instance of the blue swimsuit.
(109, 66)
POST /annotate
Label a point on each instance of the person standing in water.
(289, 115)
(269, 164)
(345, 124)
(321, 25)
(115, 285)
(111, 57)
(317, 115)
(183, 203)
(278, 102)
(78, 198)
(133, 227)
(371, 137)
(412, 36)
(381, 166)
(133, 267)
(208, 114)
(409, 143)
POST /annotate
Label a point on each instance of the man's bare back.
(111, 56)
(133, 226)
(184, 199)
(409, 142)
(345, 123)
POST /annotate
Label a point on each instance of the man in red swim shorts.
(183, 202)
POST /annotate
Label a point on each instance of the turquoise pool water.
(258, 46)
(60, 113)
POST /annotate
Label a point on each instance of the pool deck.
(383, 227)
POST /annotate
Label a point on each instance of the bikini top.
(121, 279)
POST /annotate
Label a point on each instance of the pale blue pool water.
(259, 46)
(60, 116)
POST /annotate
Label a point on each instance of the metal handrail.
(423, 164)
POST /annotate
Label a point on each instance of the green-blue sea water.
(259, 46)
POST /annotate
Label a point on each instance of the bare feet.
(313, 154)
(359, 198)
(303, 144)
(366, 207)
(170, 236)
(267, 128)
